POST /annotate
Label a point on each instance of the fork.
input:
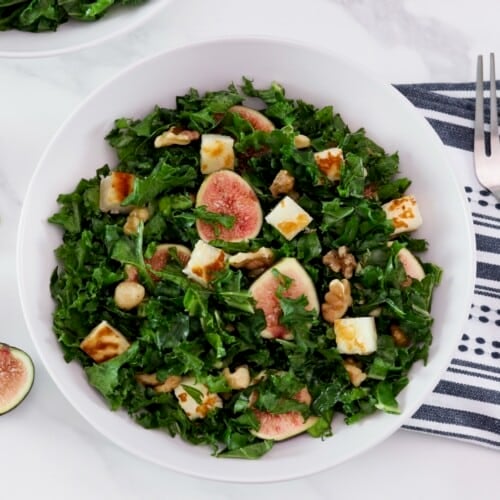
(487, 166)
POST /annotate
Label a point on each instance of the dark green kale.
(183, 328)
(47, 15)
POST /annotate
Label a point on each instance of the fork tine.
(479, 117)
(486, 166)
(494, 141)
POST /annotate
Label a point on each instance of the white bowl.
(74, 35)
(318, 77)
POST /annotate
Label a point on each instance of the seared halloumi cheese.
(113, 190)
(404, 213)
(216, 153)
(205, 261)
(206, 401)
(355, 335)
(329, 162)
(288, 217)
(104, 342)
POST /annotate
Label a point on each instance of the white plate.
(74, 35)
(313, 75)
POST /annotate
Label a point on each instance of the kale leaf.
(183, 328)
(47, 15)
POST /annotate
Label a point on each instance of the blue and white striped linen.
(465, 404)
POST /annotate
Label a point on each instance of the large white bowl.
(74, 35)
(316, 76)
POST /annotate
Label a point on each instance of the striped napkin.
(465, 404)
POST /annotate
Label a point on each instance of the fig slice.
(264, 288)
(254, 117)
(411, 265)
(280, 426)
(227, 193)
(159, 260)
(161, 255)
(16, 377)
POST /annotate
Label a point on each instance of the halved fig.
(227, 193)
(411, 265)
(162, 253)
(264, 288)
(16, 377)
(159, 260)
(280, 426)
(254, 117)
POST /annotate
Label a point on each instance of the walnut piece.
(169, 384)
(176, 136)
(283, 183)
(400, 338)
(147, 378)
(132, 223)
(341, 261)
(150, 379)
(356, 374)
(253, 261)
(337, 300)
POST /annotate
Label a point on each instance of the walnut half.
(255, 262)
(337, 300)
(283, 183)
(176, 136)
(134, 218)
(400, 338)
(150, 379)
(356, 374)
(341, 261)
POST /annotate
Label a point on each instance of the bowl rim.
(411, 406)
(134, 22)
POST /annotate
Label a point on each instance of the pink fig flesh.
(280, 426)
(160, 258)
(264, 289)
(227, 193)
(254, 117)
(16, 377)
(411, 265)
(161, 255)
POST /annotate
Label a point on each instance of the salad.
(242, 275)
(37, 16)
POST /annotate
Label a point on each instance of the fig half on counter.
(17, 373)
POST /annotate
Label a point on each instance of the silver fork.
(487, 166)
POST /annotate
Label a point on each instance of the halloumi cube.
(196, 409)
(404, 213)
(104, 342)
(204, 262)
(288, 217)
(216, 153)
(356, 335)
(329, 162)
(113, 190)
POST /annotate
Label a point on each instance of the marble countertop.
(47, 450)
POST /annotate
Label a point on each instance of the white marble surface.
(47, 450)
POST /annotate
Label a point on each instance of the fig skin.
(254, 117)
(17, 374)
(227, 193)
(263, 290)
